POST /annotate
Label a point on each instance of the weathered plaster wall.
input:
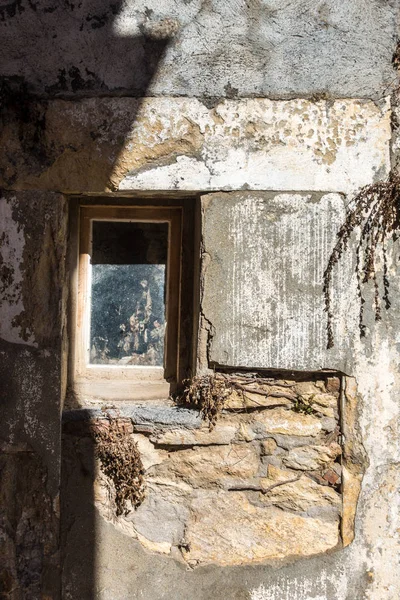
(180, 144)
(32, 309)
(202, 48)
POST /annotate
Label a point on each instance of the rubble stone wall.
(270, 480)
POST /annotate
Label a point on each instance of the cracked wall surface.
(215, 48)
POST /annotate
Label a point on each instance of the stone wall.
(269, 481)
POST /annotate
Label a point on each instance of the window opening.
(128, 323)
(128, 293)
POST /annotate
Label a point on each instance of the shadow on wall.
(93, 61)
(23, 113)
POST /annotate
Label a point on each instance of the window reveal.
(128, 302)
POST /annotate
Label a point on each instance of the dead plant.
(209, 393)
(120, 460)
(375, 210)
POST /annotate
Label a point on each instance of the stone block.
(326, 404)
(266, 242)
(150, 456)
(242, 401)
(161, 518)
(268, 447)
(221, 434)
(285, 422)
(227, 529)
(204, 466)
(311, 458)
(300, 495)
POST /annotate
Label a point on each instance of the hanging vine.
(375, 211)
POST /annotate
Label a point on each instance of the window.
(128, 303)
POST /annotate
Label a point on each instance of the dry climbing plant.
(120, 460)
(375, 210)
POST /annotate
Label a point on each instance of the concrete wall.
(32, 314)
(275, 115)
(206, 48)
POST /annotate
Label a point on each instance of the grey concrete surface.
(264, 259)
(204, 48)
(171, 416)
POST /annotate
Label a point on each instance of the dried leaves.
(375, 210)
(120, 461)
(208, 393)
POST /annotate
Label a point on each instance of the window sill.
(145, 417)
(116, 390)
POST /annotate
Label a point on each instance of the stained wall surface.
(275, 115)
(32, 315)
(209, 49)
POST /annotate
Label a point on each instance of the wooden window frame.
(115, 382)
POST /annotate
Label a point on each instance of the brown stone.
(311, 458)
(222, 433)
(268, 446)
(238, 401)
(326, 404)
(331, 477)
(333, 385)
(209, 465)
(300, 495)
(307, 388)
(225, 528)
(351, 492)
(286, 422)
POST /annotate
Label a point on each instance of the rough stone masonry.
(219, 496)
(269, 116)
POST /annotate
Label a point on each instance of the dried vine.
(375, 210)
(120, 461)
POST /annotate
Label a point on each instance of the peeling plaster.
(262, 144)
(180, 144)
(12, 243)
